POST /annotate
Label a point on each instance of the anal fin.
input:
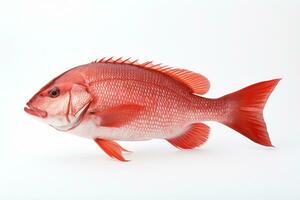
(196, 135)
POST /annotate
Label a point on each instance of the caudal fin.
(247, 114)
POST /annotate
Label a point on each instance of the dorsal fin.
(196, 82)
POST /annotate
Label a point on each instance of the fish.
(116, 99)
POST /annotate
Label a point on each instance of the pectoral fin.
(118, 116)
(111, 148)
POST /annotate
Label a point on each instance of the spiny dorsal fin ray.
(196, 82)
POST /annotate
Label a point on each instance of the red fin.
(247, 116)
(119, 115)
(197, 83)
(196, 135)
(112, 149)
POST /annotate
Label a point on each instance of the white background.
(233, 43)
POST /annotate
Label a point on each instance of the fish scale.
(157, 110)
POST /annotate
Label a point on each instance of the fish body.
(165, 106)
(117, 99)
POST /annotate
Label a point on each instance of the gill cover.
(79, 98)
(79, 101)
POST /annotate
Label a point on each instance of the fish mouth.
(35, 111)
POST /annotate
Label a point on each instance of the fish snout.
(35, 111)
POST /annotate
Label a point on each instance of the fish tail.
(246, 111)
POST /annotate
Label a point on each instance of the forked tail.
(246, 115)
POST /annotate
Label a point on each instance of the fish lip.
(35, 111)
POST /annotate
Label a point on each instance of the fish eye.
(54, 92)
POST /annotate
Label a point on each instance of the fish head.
(61, 103)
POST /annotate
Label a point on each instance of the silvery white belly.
(89, 129)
